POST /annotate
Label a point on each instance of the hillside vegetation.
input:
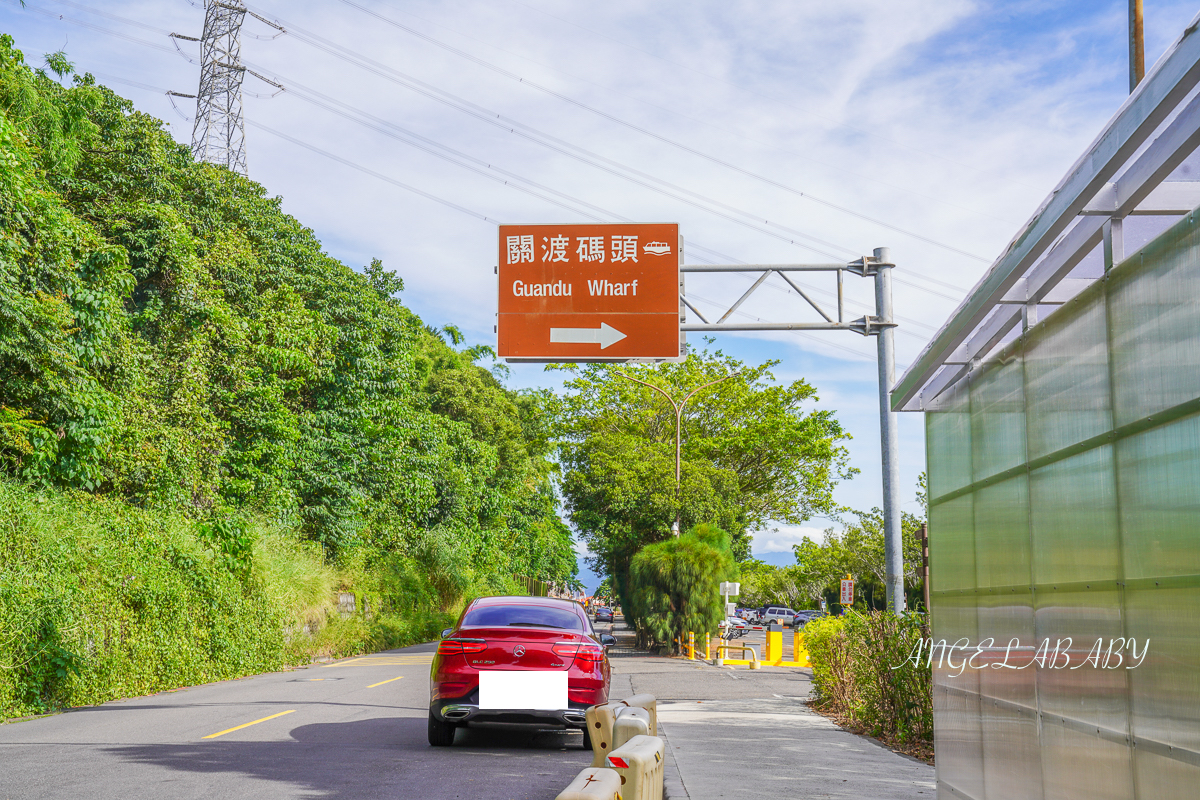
(208, 425)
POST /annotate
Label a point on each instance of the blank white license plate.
(542, 690)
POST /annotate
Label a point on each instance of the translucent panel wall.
(1064, 479)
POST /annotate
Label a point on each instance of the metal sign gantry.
(879, 325)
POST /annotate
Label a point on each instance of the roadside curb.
(673, 788)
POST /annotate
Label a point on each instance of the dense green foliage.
(170, 339)
(750, 454)
(673, 584)
(100, 599)
(862, 672)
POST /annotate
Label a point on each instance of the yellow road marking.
(383, 661)
(247, 725)
(381, 683)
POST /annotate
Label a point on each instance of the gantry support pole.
(893, 543)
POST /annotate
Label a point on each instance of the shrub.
(101, 600)
(861, 672)
(674, 585)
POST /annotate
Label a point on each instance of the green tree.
(859, 550)
(675, 584)
(796, 586)
(751, 453)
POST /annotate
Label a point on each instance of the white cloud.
(781, 540)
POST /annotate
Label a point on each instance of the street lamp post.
(678, 406)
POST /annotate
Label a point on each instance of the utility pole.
(893, 543)
(1137, 45)
(219, 135)
(678, 406)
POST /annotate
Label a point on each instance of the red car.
(530, 662)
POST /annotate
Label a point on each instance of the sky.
(771, 131)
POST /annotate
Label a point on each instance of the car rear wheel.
(587, 739)
(441, 734)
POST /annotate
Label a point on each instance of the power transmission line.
(707, 123)
(647, 132)
(479, 166)
(447, 150)
(836, 123)
(575, 152)
(477, 215)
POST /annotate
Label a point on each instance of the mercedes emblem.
(519, 651)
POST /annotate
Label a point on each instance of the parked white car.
(778, 615)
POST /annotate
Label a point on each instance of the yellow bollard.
(799, 651)
(707, 647)
(691, 646)
(773, 651)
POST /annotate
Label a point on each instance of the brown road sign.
(589, 292)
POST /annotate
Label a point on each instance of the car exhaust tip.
(575, 719)
(455, 714)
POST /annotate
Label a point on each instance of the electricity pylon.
(219, 135)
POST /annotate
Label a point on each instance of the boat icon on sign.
(657, 248)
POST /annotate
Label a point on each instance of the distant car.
(508, 639)
(779, 615)
(604, 614)
(734, 623)
(802, 618)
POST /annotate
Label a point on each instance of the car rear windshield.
(522, 617)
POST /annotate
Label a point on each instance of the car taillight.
(590, 654)
(454, 647)
(565, 649)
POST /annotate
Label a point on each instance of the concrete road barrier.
(600, 721)
(602, 718)
(630, 722)
(593, 783)
(648, 702)
(639, 763)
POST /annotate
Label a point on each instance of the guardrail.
(772, 655)
(722, 659)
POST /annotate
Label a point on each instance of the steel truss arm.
(866, 266)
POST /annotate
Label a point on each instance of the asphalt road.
(351, 729)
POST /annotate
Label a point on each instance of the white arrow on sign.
(603, 336)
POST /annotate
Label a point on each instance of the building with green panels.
(1062, 405)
